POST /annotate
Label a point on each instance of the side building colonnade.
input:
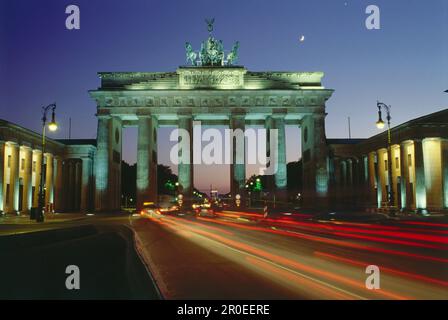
(68, 175)
(419, 164)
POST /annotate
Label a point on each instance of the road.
(241, 255)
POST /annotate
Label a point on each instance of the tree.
(294, 176)
(166, 180)
(128, 182)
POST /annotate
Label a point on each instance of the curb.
(155, 276)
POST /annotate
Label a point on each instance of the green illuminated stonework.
(215, 95)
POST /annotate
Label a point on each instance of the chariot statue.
(212, 51)
(232, 57)
(191, 55)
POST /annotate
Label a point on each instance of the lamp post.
(52, 126)
(380, 125)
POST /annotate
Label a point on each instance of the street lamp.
(52, 126)
(380, 125)
(380, 122)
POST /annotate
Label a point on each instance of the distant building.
(68, 171)
(359, 167)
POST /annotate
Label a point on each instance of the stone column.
(185, 166)
(373, 197)
(344, 181)
(37, 158)
(103, 164)
(146, 160)
(433, 158)
(350, 173)
(86, 173)
(68, 184)
(27, 176)
(395, 156)
(78, 184)
(337, 182)
(238, 165)
(48, 180)
(444, 146)
(280, 174)
(14, 179)
(363, 181)
(420, 188)
(404, 176)
(115, 159)
(270, 183)
(382, 177)
(357, 181)
(350, 182)
(379, 186)
(2, 176)
(58, 180)
(315, 161)
(71, 185)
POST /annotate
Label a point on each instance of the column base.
(423, 212)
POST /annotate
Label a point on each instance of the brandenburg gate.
(215, 91)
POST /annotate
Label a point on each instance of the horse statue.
(191, 55)
(232, 57)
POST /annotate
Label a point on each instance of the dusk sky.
(404, 64)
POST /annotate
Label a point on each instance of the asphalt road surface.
(241, 255)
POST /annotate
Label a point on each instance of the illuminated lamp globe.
(53, 126)
(380, 124)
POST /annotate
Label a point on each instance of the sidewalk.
(49, 218)
(109, 265)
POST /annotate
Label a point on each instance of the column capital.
(185, 114)
(279, 111)
(238, 115)
(26, 147)
(142, 114)
(319, 116)
(103, 114)
(405, 142)
(278, 115)
(432, 139)
(12, 143)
